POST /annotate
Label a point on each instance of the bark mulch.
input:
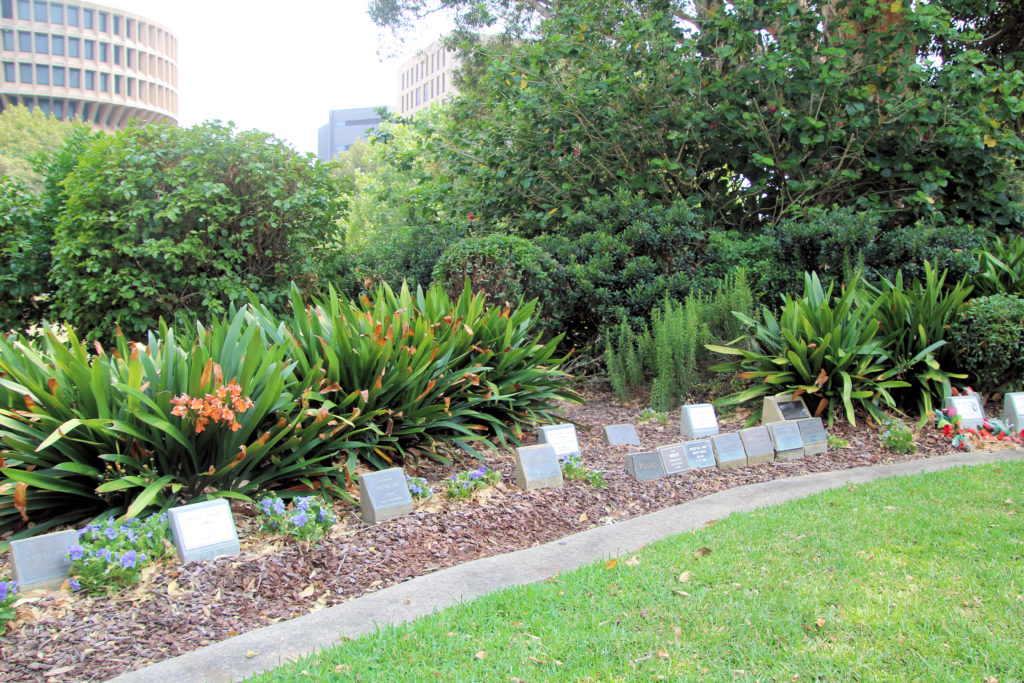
(64, 637)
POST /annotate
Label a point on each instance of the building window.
(117, 54)
(87, 17)
(58, 109)
(42, 43)
(72, 15)
(58, 75)
(10, 73)
(57, 45)
(90, 80)
(90, 49)
(117, 85)
(8, 39)
(74, 47)
(26, 72)
(104, 50)
(117, 24)
(43, 74)
(75, 78)
(130, 58)
(25, 10)
(8, 9)
(24, 41)
(131, 87)
(104, 82)
(40, 13)
(56, 13)
(103, 21)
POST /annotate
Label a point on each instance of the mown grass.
(913, 578)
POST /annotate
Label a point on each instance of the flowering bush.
(307, 518)
(110, 555)
(462, 485)
(216, 407)
(897, 437)
(7, 591)
(419, 488)
(572, 469)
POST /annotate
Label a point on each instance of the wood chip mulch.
(61, 636)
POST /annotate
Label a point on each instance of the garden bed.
(178, 608)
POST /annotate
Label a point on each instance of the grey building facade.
(344, 127)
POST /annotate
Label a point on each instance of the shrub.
(407, 253)
(1000, 267)
(908, 248)
(832, 242)
(823, 347)
(160, 219)
(988, 342)
(24, 256)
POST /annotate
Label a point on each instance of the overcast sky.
(278, 66)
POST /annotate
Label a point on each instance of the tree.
(26, 136)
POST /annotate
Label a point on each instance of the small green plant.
(111, 555)
(836, 441)
(987, 342)
(897, 437)
(462, 485)
(306, 519)
(419, 488)
(7, 591)
(651, 415)
(573, 470)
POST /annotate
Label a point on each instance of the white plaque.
(968, 407)
(562, 438)
(203, 531)
(702, 416)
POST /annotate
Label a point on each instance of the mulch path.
(177, 608)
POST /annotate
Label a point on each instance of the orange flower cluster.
(220, 406)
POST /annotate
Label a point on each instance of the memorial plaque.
(562, 438)
(673, 458)
(645, 466)
(699, 453)
(383, 495)
(758, 444)
(537, 467)
(42, 561)
(698, 421)
(621, 435)
(783, 408)
(203, 531)
(789, 445)
(812, 431)
(1013, 411)
(969, 409)
(729, 451)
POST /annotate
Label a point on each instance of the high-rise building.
(344, 127)
(78, 60)
(425, 78)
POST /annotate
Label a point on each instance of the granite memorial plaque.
(203, 531)
(621, 435)
(789, 445)
(537, 467)
(383, 495)
(562, 438)
(699, 453)
(812, 431)
(782, 408)
(968, 407)
(698, 421)
(729, 451)
(42, 561)
(758, 444)
(645, 466)
(1013, 411)
(673, 458)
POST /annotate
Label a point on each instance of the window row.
(100, 113)
(86, 17)
(431, 64)
(42, 43)
(433, 88)
(87, 79)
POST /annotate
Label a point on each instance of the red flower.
(947, 431)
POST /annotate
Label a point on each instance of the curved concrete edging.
(278, 643)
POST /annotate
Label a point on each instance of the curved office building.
(82, 61)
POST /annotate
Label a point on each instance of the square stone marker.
(812, 431)
(698, 421)
(789, 445)
(621, 435)
(969, 409)
(673, 458)
(562, 438)
(1013, 411)
(729, 451)
(645, 466)
(383, 495)
(42, 561)
(782, 408)
(203, 531)
(699, 453)
(537, 467)
(758, 444)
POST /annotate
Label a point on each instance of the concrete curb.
(278, 643)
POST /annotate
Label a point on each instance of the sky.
(279, 66)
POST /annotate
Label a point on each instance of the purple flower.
(74, 585)
(302, 503)
(102, 552)
(76, 552)
(110, 532)
(323, 514)
(265, 504)
(279, 506)
(7, 587)
(300, 519)
(129, 559)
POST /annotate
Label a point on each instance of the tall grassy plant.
(823, 346)
(1000, 267)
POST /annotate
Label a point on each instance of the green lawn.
(912, 578)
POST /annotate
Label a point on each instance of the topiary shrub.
(506, 268)
(988, 342)
(907, 248)
(159, 220)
